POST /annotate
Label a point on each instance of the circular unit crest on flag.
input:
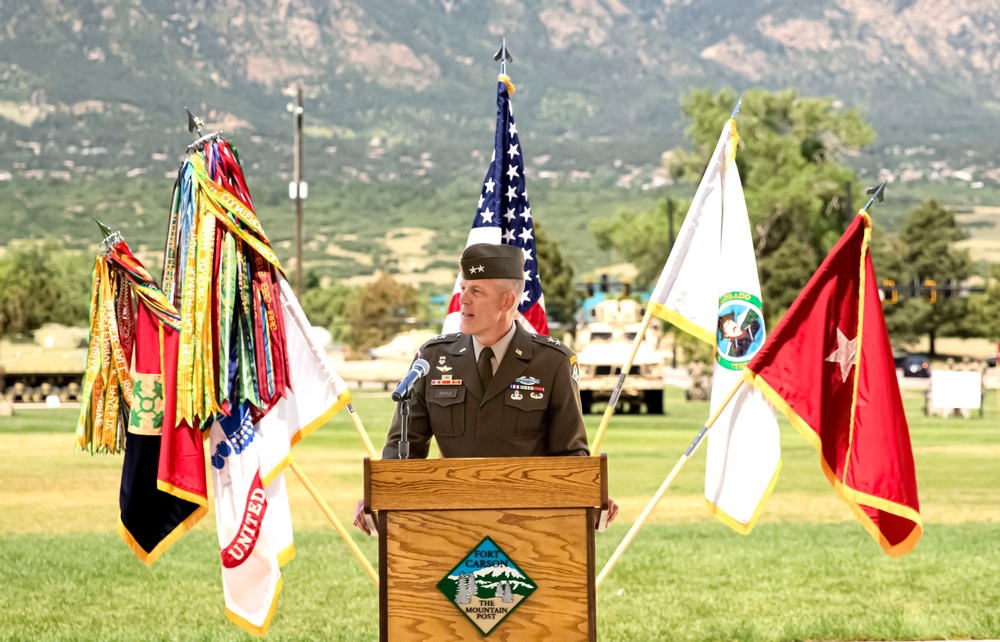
(740, 331)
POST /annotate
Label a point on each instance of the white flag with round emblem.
(710, 289)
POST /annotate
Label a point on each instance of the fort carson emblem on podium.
(486, 586)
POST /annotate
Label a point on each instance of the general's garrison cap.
(488, 261)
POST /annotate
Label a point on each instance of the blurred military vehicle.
(387, 363)
(603, 343)
(403, 346)
(700, 388)
(51, 363)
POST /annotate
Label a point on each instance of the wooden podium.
(470, 548)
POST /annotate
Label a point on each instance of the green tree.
(642, 239)
(561, 297)
(379, 310)
(41, 283)
(793, 183)
(925, 252)
(984, 308)
(327, 307)
(312, 280)
(888, 254)
(786, 271)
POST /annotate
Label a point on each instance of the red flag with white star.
(828, 366)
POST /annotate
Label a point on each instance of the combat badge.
(526, 383)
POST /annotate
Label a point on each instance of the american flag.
(503, 216)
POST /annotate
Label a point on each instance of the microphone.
(419, 368)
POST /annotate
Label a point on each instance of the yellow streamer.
(107, 386)
(222, 201)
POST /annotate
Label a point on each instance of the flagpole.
(736, 109)
(336, 522)
(503, 56)
(610, 410)
(877, 192)
(666, 484)
(360, 427)
(295, 310)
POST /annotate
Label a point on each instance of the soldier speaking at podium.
(494, 390)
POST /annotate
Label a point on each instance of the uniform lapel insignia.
(518, 351)
(463, 349)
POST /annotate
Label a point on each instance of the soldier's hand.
(612, 513)
(362, 521)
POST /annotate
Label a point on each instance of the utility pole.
(297, 189)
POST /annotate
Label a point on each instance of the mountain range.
(405, 90)
(489, 577)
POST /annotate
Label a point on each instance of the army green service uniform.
(531, 408)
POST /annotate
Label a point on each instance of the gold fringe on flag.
(505, 79)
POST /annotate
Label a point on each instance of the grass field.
(808, 571)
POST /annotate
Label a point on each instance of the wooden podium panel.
(550, 546)
(502, 482)
(539, 512)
